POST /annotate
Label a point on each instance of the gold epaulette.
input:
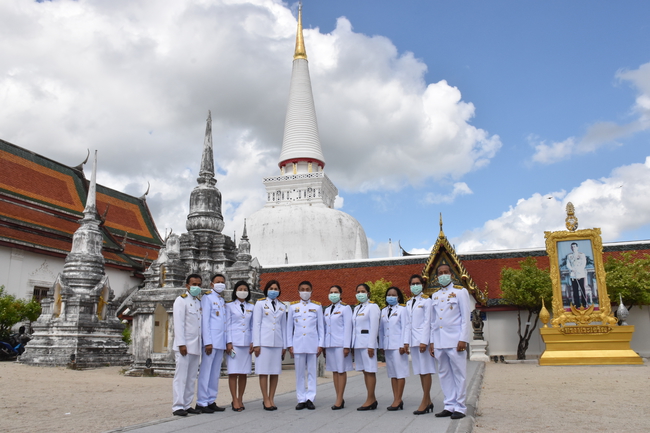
(316, 302)
(208, 292)
(402, 305)
(372, 302)
(425, 296)
(261, 299)
(343, 303)
(228, 302)
(294, 302)
(251, 302)
(458, 287)
(184, 295)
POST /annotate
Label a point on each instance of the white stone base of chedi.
(478, 349)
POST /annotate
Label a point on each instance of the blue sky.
(519, 107)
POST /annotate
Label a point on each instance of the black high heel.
(400, 406)
(339, 407)
(422, 412)
(267, 408)
(373, 406)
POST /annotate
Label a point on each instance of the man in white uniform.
(187, 345)
(450, 326)
(305, 340)
(213, 328)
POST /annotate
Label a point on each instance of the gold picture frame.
(578, 276)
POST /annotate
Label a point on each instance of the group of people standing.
(432, 330)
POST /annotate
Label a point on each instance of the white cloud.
(602, 133)
(460, 188)
(134, 79)
(616, 204)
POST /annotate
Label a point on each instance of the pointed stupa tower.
(299, 221)
(78, 324)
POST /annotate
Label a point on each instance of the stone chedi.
(203, 250)
(78, 324)
(298, 223)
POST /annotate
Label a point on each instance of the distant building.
(299, 224)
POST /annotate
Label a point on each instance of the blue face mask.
(416, 289)
(195, 291)
(362, 297)
(334, 297)
(272, 294)
(444, 280)
(391, 300)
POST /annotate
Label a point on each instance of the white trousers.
(184, 380)
(452, 366)
(209, 377)
(305, 363)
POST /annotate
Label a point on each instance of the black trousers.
(579, 293)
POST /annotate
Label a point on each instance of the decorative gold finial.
(571, 218)
(441, 232)
(544, 315)
(300, 53)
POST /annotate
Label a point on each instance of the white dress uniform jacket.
(187, 323)
(419, 311)
(394, 331)
(365, 325)
(450, 317)
(338, 326)
(268, 325)
(305, 327)
(214, 320)
(238, 323)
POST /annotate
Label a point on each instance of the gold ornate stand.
(588, 345)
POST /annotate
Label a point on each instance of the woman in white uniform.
(338, 341)
(269, 345)
(394, 339)
(365, 319)
(239, 347)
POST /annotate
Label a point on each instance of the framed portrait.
(578, 277)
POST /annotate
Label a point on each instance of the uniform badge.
(297, 310)
(337, 312)
(266, 307)
(312, 311)
(360, 314)
(217, 313)
(452, 295)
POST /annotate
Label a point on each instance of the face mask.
(195, 291)
(218, 287)
(272, 294)
(334, 297)
(416, 289)
(391, 300)
(305, 296)
(241, 295)
(362, 297)
(444, 280)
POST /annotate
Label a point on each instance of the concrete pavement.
(324, 420)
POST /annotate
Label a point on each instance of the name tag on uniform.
(337, 312)
(249, 311)
(360, 314)
(394, 315)
(420, 306)
(312, 311)
(266, 307)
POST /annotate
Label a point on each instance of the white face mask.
(305, 296)
(241, 295)
(218, 287)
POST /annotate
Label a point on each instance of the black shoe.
(457, 415)
(373, 406)
(310, 405)
(400, 406)
(301, 406)
(339, 407)
(444, 413)
(194, 411)
(426, 410)
(216, 408)
(180, 412)
(267, 408)
(204, 409)
(274, 408)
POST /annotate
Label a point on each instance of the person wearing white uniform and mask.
(419, 311)
(269, 341)
(338, 343)
(394, 339)
(239, 319)
(449, 337)
(187, 345)
(213, 327)
(365, 319)
(305, 336)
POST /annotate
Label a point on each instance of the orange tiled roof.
(41, 202)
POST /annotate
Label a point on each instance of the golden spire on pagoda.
(300, 53)
(441, 232)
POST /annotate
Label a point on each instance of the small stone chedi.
(298, 223)
(204, 250)
(78, 325)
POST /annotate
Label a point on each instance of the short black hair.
(400, 295)
(338, 287)
(190, 276)
(269, 284)
(305, 283)
(364, 285)
(574, 243)
(239, 284)
(419, 277)
(441, 265)
(217, 275)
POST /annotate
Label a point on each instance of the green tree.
(378, 291)
(14, 310)
(524, 288)
(629, 277)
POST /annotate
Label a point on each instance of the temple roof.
(43, 200)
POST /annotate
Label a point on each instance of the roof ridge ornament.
(300, 52)
(91, 205)
(571, 218)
